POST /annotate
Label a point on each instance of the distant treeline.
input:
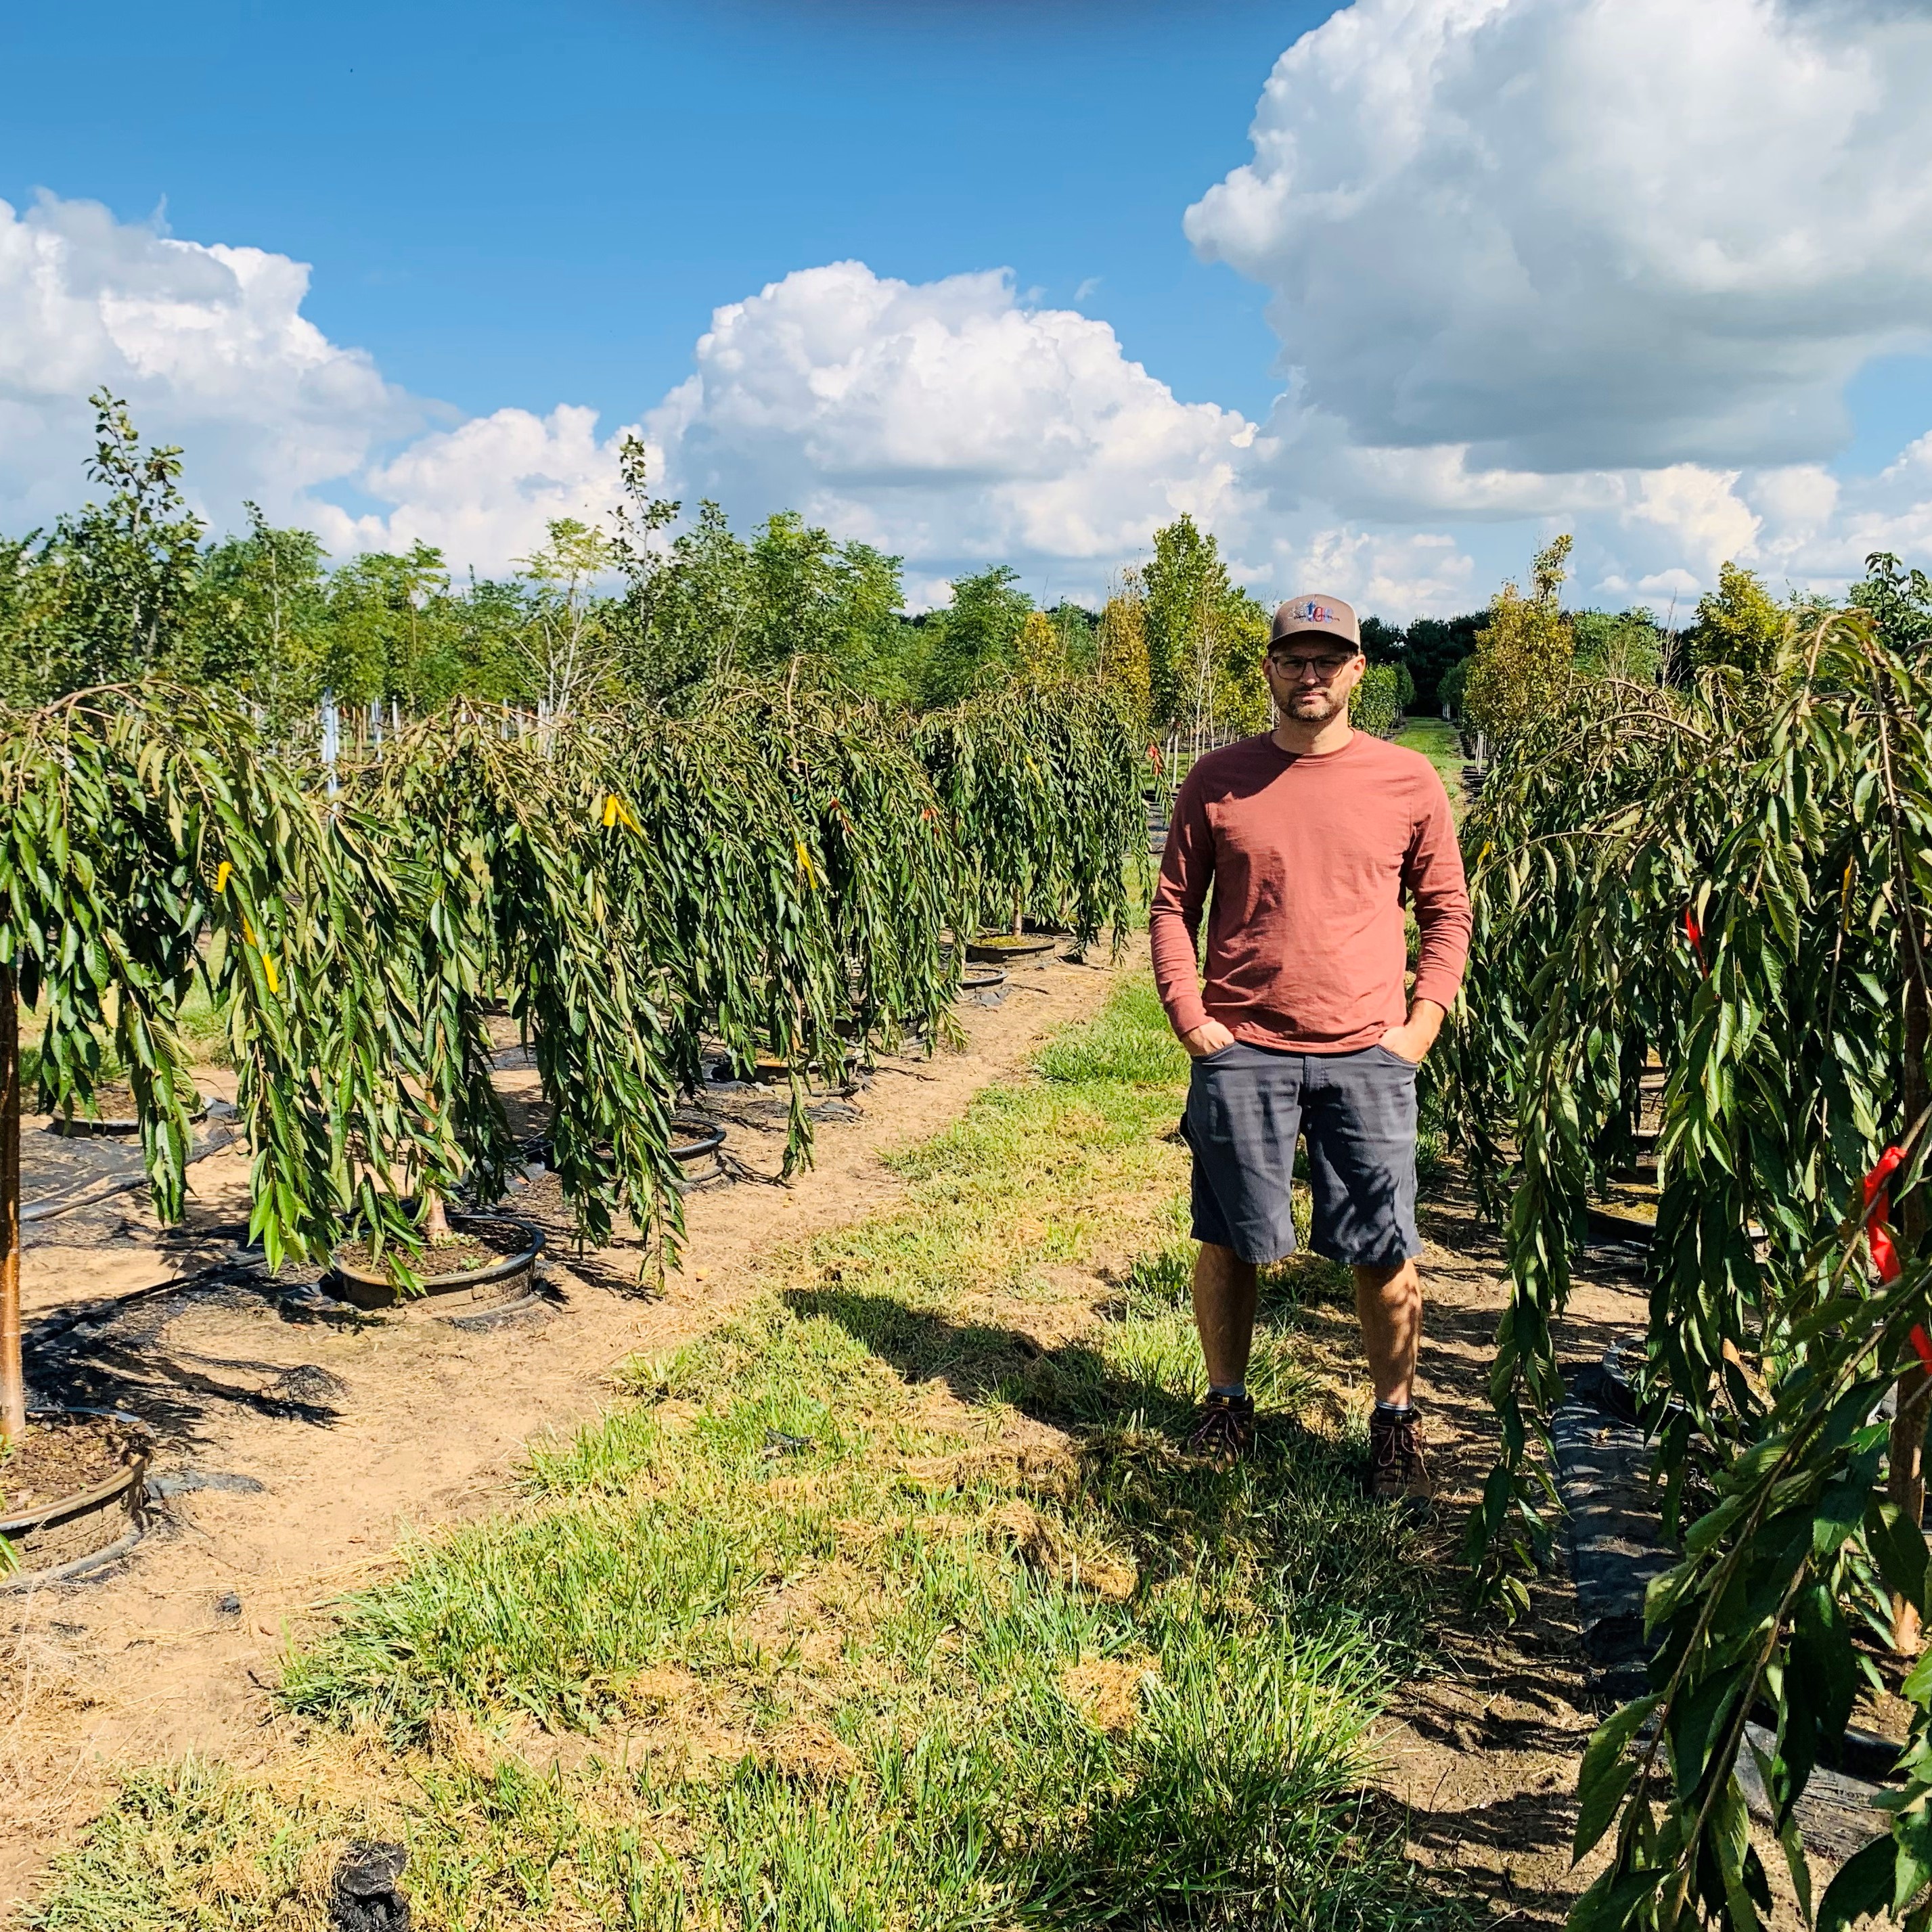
(659, 606)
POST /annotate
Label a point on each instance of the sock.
(1393, 1412)
(1235, 1391)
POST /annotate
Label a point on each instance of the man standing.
(1311, 836)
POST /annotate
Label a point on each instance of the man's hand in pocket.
(1412, 1042)
(1209, 1036)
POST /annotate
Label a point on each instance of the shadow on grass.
(1070, 1385)
(1296, 1514)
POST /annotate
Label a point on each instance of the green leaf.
(1863, 1888)
(1605, 1775)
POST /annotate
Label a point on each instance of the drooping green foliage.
(1735, 879)
(1043, 787)
(138, 823)
(776, 877)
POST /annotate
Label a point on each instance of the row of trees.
(1528, 656)
(134, 587)
(785, 873)
(646, 608)
(650, 607)
(1717, 864)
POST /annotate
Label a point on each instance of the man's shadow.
(1127, 1431)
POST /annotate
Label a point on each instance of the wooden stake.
(13, 1374)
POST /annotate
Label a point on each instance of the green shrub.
(1375, 703)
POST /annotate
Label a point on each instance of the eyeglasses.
(1323, 667)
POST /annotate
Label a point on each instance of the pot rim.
(1005, 946)
(130, 1475)
(710, 1137)
(499, 1270)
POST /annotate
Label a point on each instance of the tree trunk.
(1905, 1483)
(13, 1376)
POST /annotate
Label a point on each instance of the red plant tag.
(1695, 933)
(1878, 1230)
(1923, 1343)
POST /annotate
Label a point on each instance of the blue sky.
(507, 203)
(1420, 329)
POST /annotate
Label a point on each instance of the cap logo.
(1312, 613)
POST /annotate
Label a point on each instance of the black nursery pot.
(62, 1538)
(697, 1146)
(1002, 949)
(495, 1285)
(984, 985)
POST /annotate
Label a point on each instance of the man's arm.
(1173, 921)
(1432, 873)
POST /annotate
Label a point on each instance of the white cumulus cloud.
(947, 422)
(484, 493)
(207, 342)
(1574, 234)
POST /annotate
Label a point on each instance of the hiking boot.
(1398, 1470)
(1224, 1432)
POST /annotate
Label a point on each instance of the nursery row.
(768, 874)
(1703, 919)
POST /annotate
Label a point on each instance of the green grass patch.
(840, 1643)
(1438, 740)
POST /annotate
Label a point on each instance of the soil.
(297, 1448)
(1008, 945)
(473, 1247)
(1481, 1755)
(55, 1460)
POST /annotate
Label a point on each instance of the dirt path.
(1481, 1756)
(301, 1454)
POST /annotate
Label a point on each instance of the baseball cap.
(1311, 611)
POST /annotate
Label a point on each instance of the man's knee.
(1214, 1262)
(1390, 1281)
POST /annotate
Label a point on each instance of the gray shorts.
(1245, 1106)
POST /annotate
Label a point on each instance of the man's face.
(1311, 676)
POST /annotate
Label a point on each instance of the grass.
(892, 1604)
(1436, 739)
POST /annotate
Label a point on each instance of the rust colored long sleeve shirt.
(1310, 857)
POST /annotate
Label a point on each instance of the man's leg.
(1243, 1113)
(1388, 1304)
(1224, 1313)
(1360, 1118)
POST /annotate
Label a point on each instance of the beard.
(1314, 707)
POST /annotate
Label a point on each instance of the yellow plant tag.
(221, 872)
(804, 862)
(268, 966)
